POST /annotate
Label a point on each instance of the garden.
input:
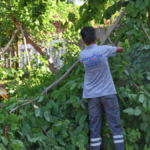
(43, 108)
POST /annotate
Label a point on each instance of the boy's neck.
(91, 43)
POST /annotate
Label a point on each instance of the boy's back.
(98, 80)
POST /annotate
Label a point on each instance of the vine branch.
(47, 135)
(144, 30)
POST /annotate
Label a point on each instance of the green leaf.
(128, 20)
(1, 118)
(55, 94)
(86, 127)
(80, 85)
(129, 8)
(21, 2)
(145, 103)
(14, 126)
(55, 109)
(130, 111)
(73, 98)
(40, 99)
(71, 82)
(2, 147)
(144, 126)
(148, 77)
(141, 98)
(107, 15)
(59, 148)
(137, 111)
(11, 106)
(145, 118)
(46, 115)
(127, 73)
(82, 105)
(132, 96)
(25, 129)
(20, 143)
(82, 119)
(142, 6)
(59, 139)
(81, 138)
(4, 140)
(12, 118)
(146, 2)
(73, 86)
(137, 4)
(37, 112)
(148, 131)
(111, 10)
(49, 105)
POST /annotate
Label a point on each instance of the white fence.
(7, 60)
(53, 53)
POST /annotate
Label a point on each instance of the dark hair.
(88, 34)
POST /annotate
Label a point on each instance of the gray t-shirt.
(98, 79)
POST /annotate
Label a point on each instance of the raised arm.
(119, 49)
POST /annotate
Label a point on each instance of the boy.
(99, 89)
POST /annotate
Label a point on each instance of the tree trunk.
(39, 48)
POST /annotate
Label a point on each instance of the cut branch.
(21, 105)
(12, 38)
(60, 79)
(144, 30)
(113, 27)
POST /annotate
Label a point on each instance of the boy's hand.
(119, 49)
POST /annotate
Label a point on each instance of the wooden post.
(25, 48)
